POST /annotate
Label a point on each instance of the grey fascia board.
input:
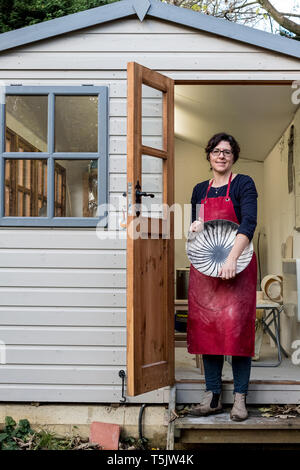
(223, 27)
(66, 24)
(171, 13)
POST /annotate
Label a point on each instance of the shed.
(118, 99)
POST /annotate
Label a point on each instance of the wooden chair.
(180, 338)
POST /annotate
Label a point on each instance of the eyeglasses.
(217, 152)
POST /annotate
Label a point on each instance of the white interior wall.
(296, 122)
(279, 204)
(279, 222)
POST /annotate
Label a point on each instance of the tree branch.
(245, 11)
(239, 7)
(280, 18)
(290, 14)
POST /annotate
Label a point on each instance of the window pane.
(26, 123)
(152, 182)
(76, 124)
(26, 188)
(76, 185)
(152, 118)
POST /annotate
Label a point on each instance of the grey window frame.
(50, 155)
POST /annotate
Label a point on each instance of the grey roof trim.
(66, 24)
(225, 28)
(141, 7)
(158, 10)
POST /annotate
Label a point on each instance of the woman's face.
(221, 161)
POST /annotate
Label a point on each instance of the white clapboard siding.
(117, 164)
(63, 277)
(144, 42)
(91, 375)
(83, 393)
(63, 291)
(63, 297)
(163, 61)
(64, 355)
(23, 258)
(151, 126)
(62, 335)
(64, 316)
(63, 305)
(151, 107)
(151, 182)
(118, 202)
(95, 77)
(70, 239)
(118, 143)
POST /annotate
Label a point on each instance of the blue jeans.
(213, 365)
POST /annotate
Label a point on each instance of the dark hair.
(217, 138)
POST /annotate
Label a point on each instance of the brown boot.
(204, 408)
(239, 411)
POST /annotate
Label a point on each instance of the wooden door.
(150, 235)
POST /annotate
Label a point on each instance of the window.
(53, 156)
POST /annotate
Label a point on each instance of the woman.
(222, 310)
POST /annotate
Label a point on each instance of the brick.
(105, 434)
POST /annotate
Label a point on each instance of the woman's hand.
(228, 270)
(197, 225)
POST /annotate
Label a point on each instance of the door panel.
(150, 230)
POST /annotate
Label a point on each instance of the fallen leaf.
(174, 416)
(288, 409)
(284, 416)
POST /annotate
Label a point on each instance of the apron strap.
(209, 186)
(228, 187)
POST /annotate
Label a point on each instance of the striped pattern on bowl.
(208, 250)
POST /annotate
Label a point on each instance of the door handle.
(138, 197)
(139, 193)
(142, 193)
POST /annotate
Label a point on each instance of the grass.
(22, 437)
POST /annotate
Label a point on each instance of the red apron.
(221, 313)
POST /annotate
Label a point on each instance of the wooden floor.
(267, 384)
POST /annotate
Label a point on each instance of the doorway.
(259, 116)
